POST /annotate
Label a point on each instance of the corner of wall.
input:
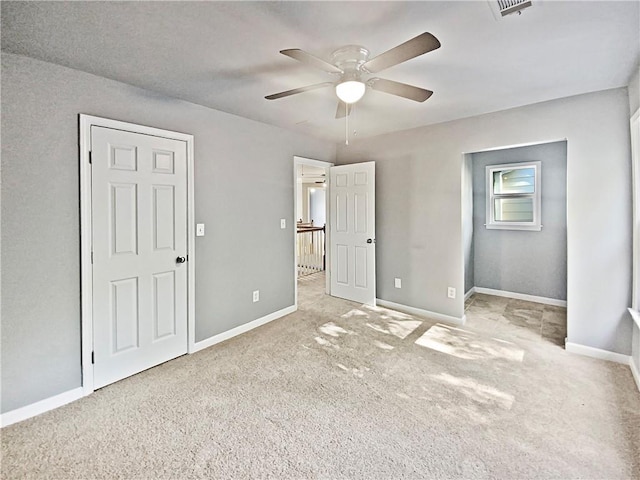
(634, 90)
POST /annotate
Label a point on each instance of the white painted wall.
(418, 198)
(317, 206)
(299, 196)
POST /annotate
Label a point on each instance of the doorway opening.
(347, 252)
(514, 225)
(311, 229)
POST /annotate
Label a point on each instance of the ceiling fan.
(352, 64)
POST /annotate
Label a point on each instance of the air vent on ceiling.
(507, 7)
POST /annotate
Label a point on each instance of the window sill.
(529, 228)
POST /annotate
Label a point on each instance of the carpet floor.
(339, 390)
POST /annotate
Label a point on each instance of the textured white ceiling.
(224, 55)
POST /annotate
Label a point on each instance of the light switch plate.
(200, 230)
(397, 282)
(283, 223)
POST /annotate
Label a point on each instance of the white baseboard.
(42, 406)
(421, 313)
(221, 337)
(471, 291)
(56, 401)
(520, 296)
(597, 353)
(635, 372)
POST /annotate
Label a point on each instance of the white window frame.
(492, 223)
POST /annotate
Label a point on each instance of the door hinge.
(91, 258)
(93, 358)
(90, 159)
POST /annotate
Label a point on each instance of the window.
(513, 196)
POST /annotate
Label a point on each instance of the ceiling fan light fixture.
(350, 91)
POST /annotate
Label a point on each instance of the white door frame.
(86, 268)
(320, 164)
(634, 123)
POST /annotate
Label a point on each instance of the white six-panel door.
(139, 231)
(353, 248)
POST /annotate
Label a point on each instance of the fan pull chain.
(346, 123)
(354, 120)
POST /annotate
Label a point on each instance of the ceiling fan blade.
(286, 93)
(400, 89)
(312, 60)
(344, 109)
(410, 49)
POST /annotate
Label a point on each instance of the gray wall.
(418, 217)
(243, 187)
(634, 91)
(534, 263)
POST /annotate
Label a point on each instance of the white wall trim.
(635, 315)
(597, 353)
(234, 332)
(86, 269)
(458, 321)
(518, 145)
(56, 401)
(471, 291)
(635, 372)
(634, 124)
(28, 411)
(521, 296)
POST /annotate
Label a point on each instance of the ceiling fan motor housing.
(350, 59)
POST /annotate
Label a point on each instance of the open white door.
(353, 247)
(139, 231)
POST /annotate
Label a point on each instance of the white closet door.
(139, 233)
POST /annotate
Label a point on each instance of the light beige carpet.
(338, 390)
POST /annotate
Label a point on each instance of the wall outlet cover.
(256, 295)
(451, 292)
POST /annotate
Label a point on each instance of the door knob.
(371, 240)
(181, 260)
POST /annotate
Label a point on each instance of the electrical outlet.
(397, 282)
(451, 292)
(256, 295)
